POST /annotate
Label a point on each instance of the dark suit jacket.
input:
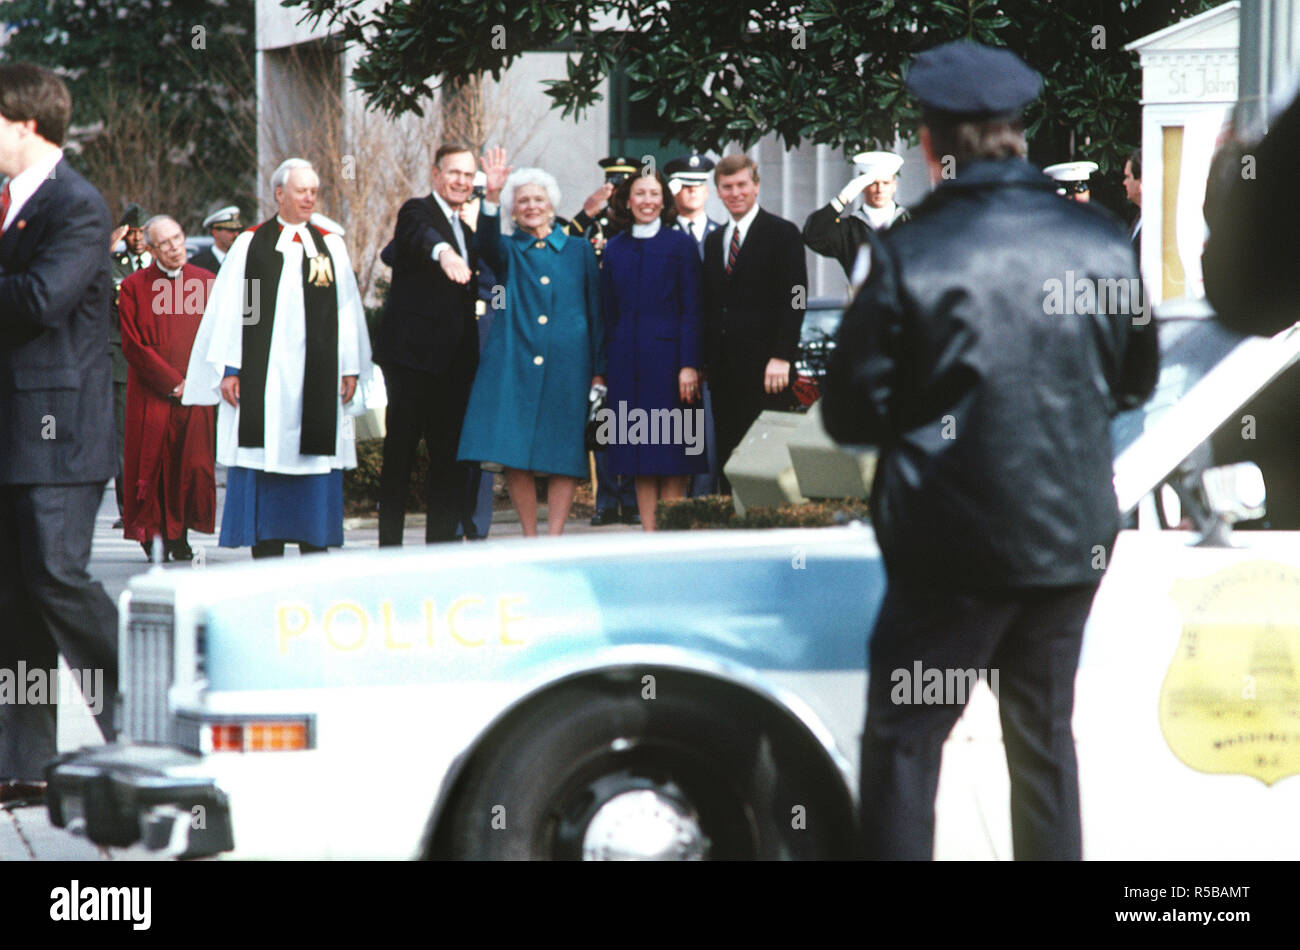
(56, 404)
(207, 260)
(427, 315)
(752, 315)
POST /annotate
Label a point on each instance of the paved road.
(25, 831)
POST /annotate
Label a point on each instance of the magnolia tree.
(824, 71)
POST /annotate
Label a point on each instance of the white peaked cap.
(1071, 171)
(221, 216)
(877, 164)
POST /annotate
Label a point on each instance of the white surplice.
(219, 343)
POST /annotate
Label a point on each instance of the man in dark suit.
(755, 285)
(427, 346)
(56, 422)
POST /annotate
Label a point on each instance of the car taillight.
(257, 735)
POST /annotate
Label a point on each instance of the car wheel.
(596, 772)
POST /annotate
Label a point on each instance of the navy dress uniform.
(833, 231)
(223, 219)
(1072, 179)
(992, 502)
(689, 172)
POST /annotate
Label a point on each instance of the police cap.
(973, 81)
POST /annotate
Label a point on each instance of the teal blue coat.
(528, 407)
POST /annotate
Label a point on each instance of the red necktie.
(4, 206)
(735, 248)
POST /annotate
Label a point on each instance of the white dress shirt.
(743, 224)
(23, 185)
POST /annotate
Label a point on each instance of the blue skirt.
(266, 506)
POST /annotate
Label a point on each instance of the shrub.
(361, 484)
(717, 511)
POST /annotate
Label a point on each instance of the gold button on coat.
(537, 360)
(539, 245)
(542, 319)
(546, 280)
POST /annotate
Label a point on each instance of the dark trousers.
(49, 605)
(429, 406)
(612, 491)
(1031, 638)
(738, 398)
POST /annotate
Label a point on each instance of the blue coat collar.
(555, 239)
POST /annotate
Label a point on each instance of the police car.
(699, 695)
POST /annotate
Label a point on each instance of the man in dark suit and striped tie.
(755, 287)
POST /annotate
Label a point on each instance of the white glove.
(851, 191)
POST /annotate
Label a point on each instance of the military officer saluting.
(992, 501)
(615, 494)
(833, 231)
(224, 226)
(134, 257)
(1072, 179)
(688, 180)
(593, 222)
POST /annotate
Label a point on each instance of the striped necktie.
(734, 249)
(4, 206)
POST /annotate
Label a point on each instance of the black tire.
(755, 783)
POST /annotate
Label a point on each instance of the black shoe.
(180, 550)
(148, 550)
(604, 516)
(117, 525)
(631, 516)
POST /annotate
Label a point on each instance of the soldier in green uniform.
(134, 258)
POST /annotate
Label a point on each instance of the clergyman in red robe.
(170, 484)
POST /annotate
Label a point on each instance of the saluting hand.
(597, 200)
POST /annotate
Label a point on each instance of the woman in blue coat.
(528, 408)
(650, 297)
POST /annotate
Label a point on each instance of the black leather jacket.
(970, 359)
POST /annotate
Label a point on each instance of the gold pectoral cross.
(319, 271)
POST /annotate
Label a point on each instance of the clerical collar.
(173, 274)
(880, 217)
(289, 232)
(649, 230)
